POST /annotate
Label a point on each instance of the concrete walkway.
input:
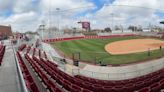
(122, 72)
(8, 74)
(50, 50)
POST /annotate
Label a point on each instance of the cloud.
(26, 21)
(25, 6)
(28, 14)
(129, 12)
(6, 5)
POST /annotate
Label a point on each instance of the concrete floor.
(9, 81)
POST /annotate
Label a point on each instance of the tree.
(107, 29)
(139, 28)
(117, 28)
(133, 28)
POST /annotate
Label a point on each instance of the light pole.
(112, 21)
(42, 28)
(58, 10)
(49, 33)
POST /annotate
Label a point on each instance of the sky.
(27, 15)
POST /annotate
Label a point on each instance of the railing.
(20, 76)
(117, 75)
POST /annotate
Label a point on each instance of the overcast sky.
(26, 15)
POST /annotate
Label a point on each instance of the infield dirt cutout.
(133, 46)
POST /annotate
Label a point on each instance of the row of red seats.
(39, 53)
(34, 51)
(155, 87)
(28, 49)
(31, 85)
(45, 79)
(122, 82)
(68, 82)
(149, 81)
(45, 55)
(48, 63)
(22, 47)
(2, 52)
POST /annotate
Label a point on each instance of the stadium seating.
(152, 81)
(45, 79)
(145, 89)
(56, 74)
(45, 55)
(2, 51)
(27, 76)
(28, 49)
(34, 51)
(51, 75)
(39, 53)
(22, 47)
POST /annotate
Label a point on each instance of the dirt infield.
(133, 46)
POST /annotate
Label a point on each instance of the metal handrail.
(139, 72)
(20, 76)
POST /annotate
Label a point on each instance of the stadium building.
(5, 32)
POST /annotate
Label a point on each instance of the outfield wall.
(85, 37)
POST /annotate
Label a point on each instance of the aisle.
(8, 73)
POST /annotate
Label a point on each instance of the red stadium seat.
(78, 82)
(148, 82)
(108, 89)
(87, 85)
(118, 89)
(34, 88)
(58, 90)
(97, 88)
(86, 90)
(51, 85)
(67, 85)
(145, 89)
(162, 83)
(129, 87)
(155, 87)
(139, 85)
(76, 88)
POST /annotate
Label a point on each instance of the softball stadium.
(97, 53)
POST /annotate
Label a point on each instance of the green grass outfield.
(92, 50)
